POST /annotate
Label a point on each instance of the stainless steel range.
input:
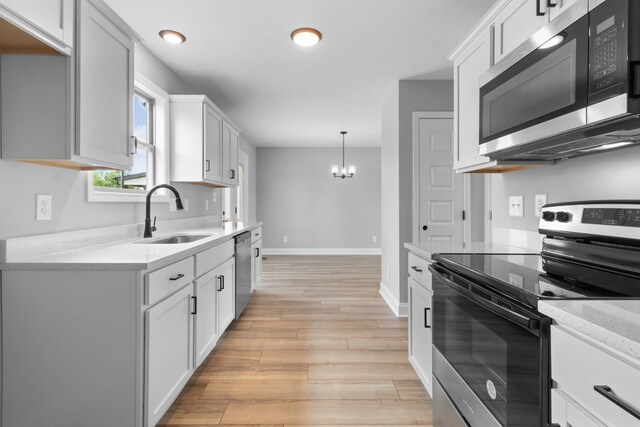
(491, 345)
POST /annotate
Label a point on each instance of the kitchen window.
(150, 161)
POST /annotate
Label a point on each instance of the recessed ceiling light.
(553, 41)
(173, 37)
(306, 36)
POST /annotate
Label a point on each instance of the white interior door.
(440, 190)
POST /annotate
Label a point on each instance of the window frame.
(159, 170)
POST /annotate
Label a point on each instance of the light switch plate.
(43, 207)
(516, 206)
(541, 200)
(285, 239)
(374, 239)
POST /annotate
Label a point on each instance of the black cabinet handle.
(195, 305)
(176, 277)
(426, 323)
(552, 3)
(416, 269)
(425, 227)
(221, 283)
(219, 279)
(257, 252)
(540, 8)
(207, 165)
(232, 174)
(607, 392)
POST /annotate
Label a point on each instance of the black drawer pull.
(426, 324)
(606, 391)
(257, 252)
(195, 305)
(416, 269)
(221, 279)
(176, 277)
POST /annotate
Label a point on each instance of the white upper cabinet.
(49, 20)
(73, 111)
(105, 89)
(204, 145)
(474, 60)
(518, 21)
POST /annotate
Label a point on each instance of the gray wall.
(605, 176)
(71, 210)
(299, 198)
(404, 98)
(251, 152)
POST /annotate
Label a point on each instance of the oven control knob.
(548, 216)
(562, 216)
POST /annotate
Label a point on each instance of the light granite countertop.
(615, 323)
(30, 253)
(426, 250)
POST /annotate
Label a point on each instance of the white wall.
(605, 176)
(250, 150)
(299, 198)
(20, 182)
(405, 97)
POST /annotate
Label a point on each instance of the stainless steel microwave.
(572, 89)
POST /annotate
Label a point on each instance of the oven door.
(543, 94)
(490, 356)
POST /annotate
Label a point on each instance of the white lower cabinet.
(206, 318)
(226, 297)
(168, 347)
(566, 413)
(420, 335)
(256, 263)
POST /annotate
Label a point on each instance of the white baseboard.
(400, 309)
(322, 251)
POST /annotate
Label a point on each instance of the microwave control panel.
(607, 46)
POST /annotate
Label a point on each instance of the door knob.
(424, 228)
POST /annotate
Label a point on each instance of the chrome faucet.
(148, 229)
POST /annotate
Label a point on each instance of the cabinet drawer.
(167, 280)
(419, 270)
(256, 234)
(577, 366)
(213, 257)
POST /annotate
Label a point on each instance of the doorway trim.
(417, 116)
(244, 159)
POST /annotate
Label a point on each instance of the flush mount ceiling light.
(344, 172)
(173, 37)
(306, 36)
(553, 41)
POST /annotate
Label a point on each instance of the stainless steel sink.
(173, 240)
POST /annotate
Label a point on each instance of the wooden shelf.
(15, 41)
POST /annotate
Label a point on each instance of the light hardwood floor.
(317, 346)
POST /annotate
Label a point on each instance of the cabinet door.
(420, 335)
(516, 23)
(468, 67)
(168, 347)
(213, 155)
(206, 332)
(234, 138)
(105, 89)
(258, 256)
(254, 262)
(226, 295)
(53, 17)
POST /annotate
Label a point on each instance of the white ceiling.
(239, 53)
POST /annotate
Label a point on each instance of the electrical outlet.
(43, 207)
(516, 206)
(516, 280)
(215, 196)
(206, 204)
(285, 239)
(541, 200)
(374, 239)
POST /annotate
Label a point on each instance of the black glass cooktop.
(530, 277)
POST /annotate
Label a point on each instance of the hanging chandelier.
(344, 172)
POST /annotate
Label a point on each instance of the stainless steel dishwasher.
(243, 271)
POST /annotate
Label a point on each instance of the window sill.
(125, 197)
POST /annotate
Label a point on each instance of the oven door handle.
(531, 324)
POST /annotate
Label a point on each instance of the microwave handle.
(529, 323)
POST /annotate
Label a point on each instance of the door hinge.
(464, 215)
